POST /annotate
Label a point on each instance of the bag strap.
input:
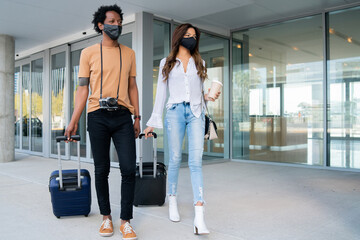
(203, 98)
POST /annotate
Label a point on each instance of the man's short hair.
(100, 15)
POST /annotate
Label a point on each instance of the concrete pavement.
(245, 201)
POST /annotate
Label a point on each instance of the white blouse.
(183, 87)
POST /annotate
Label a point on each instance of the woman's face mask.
(189, 43)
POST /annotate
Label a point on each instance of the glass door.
(74, 82)
(25, 116)
(17, 106)
(215, 51)
(28, 88)
(278, 93)
(344, 90)
(58, 87)
(37, 117)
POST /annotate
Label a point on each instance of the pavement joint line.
(21, 178)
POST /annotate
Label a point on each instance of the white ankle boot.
(173, 209)
(199, 222)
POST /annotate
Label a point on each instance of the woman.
(183, 73)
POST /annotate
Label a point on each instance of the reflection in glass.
(344, 88)
(215, 52)
(277, 92)
(37, 117)
(58, 102)
(25, 123)
(17, 106)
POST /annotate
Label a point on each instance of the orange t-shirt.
(90, 67)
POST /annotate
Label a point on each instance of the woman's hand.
(212, 99)
(147, 131)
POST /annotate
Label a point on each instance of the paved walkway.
(245, 201)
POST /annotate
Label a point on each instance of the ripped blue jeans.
(179, 118)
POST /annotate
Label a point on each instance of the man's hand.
(70, 131)
(137, 127)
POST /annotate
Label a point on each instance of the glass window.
(215, 51)
(344, 88)
(278, 92)
(58, 102)
(273, 101)
(74, 82)
(256, 101)
(37, 117)
(25, 106)
(17, 107)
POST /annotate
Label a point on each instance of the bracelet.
(137, 116)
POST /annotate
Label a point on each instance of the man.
(110, 70)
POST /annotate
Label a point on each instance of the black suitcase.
(70, 189)
(150, 183)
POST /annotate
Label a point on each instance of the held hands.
(147, 130)
(212, 99)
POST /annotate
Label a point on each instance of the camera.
(108, 103)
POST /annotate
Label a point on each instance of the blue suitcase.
(70, 191)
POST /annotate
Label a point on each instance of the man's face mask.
(189, 43)
(113, 31)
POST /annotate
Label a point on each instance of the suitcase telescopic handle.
(154, 152)
(64, 138)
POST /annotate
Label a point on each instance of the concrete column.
(7, 115)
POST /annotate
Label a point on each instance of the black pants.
(102, 126)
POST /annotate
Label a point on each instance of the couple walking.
(109, 69)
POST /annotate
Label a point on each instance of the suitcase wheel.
(86, 215)
(136, 205)
(58, 216)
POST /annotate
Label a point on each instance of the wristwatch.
(137, 116)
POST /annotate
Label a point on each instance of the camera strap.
(117, 96)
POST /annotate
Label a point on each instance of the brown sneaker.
(127, 232)
(106, 229)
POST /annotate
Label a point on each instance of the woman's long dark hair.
(178, 34)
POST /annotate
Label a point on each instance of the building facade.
(291, 89)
